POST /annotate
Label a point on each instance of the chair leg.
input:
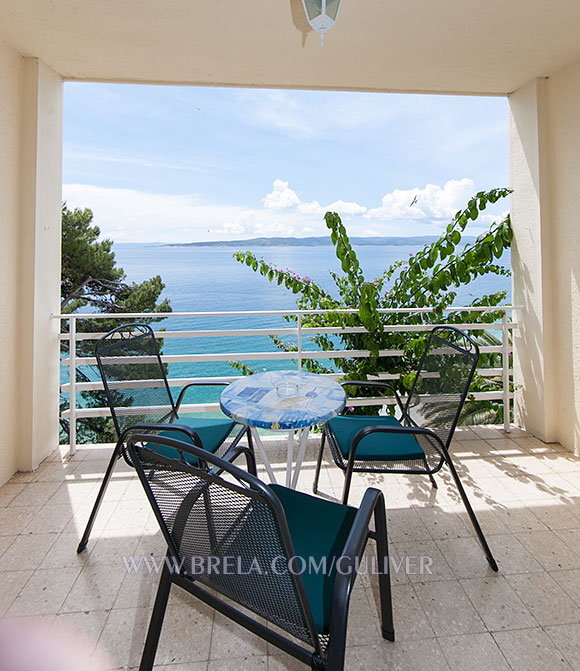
(488, 555)
(336, 652)
(433, 483)
(251, 455)
(387, 626)
(319, 462)
(156, 623)
(106, 479)
(347, 481)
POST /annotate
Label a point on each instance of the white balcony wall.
(545, 176)
(30, 197)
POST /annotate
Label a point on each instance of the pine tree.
(91, 281)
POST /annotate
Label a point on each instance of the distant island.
(323, 241)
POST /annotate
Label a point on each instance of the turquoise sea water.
(201, 279)
(208, 278)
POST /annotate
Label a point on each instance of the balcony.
(451, 611)
(525, 492)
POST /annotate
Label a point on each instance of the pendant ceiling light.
(321, 15)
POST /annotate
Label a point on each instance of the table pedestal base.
(292, 470)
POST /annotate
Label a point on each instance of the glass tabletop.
(283, 400)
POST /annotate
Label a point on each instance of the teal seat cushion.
(319, 530)
(212, 433)
(377, 446)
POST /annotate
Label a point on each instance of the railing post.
(505, 357)
(299, 341)
(72, 377)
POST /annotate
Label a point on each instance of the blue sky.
(183, 164)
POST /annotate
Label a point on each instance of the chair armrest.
(357, 538)
(196, 384)
(378, 385)
(176, 428)
(347, 564)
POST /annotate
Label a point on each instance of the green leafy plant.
(429, 278)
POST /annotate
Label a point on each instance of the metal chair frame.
(436, 450)
(167, 422)
(326, 651)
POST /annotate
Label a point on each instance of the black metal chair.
(139, 397)
(419, 441)
(285, 556)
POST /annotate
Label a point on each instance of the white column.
(535, 369)
(40, 230)
(11, 74)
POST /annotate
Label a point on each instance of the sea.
(205, 279)
(200, 279)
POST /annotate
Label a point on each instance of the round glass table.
(283, 401)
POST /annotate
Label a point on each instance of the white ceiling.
(463, 46)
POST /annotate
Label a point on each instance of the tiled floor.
(462, 616)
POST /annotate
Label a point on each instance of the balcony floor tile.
(454, 614)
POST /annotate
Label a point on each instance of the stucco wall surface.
(10, 118)
(545, 208)
(563, 123)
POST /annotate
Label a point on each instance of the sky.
(187, 164)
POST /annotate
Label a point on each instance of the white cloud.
(128, 215)
(313, 207)
(281, 197)
(232, 229)
(346, 208)
(135, 216)
(431, 203)
(273, 228)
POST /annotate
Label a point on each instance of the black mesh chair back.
(442, 381)
(134, 377)
(235, 526)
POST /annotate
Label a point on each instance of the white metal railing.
(299, 332)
